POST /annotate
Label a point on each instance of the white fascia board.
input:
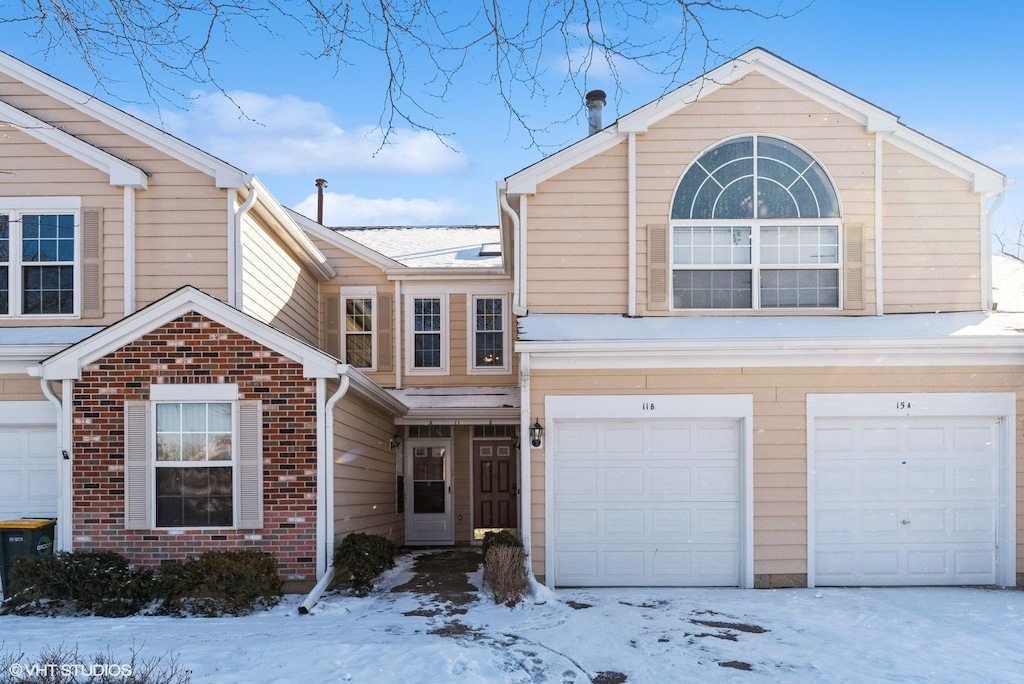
(344, 243)
(292, 235)
(411, 273)
(225, 175)
(525, 182)
(371, 391)
(976, 351)
(68, 364)
(983, 178)
(461, 416)
(120, 172)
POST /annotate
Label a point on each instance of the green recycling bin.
(24, 537)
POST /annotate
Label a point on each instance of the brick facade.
(195, 350)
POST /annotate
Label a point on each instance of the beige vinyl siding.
(756, 105)
(577, 248)
(780, 434)
(931, 224)
(276, 289)
(462, 483)
(34, 169)
(181, 220)
(365, 471)
(20, 388)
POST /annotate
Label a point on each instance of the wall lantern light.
(397, 439)
(536, 433)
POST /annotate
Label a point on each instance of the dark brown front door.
(496, 487)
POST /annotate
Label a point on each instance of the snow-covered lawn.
(648, 635)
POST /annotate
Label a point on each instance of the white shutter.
(853, 267)
(92, 263)
(138, 484)
(657, 268)
(250, 465)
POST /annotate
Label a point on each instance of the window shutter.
(657, 268)
(138, 485)
(250, 465)
(853, 267)
(385, 338)
(332, 324)
(92, 263)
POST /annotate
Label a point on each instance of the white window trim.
(471, 367)
(195, 394)
(410, 334)
(370, 293)
(19, 206)
(756, 266)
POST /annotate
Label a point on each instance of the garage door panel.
(662, 511)
(924, 513)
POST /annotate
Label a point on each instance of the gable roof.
(225, 175)
(873, 118)
(68, 364)
(458, 247)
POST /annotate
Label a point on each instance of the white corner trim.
(879, 220)
(129, 250)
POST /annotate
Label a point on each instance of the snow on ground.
(649, 635)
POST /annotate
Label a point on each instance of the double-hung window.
(39, 257)
(489, 334)
(360, 327)
(755, 225)
(193, 459)
(427, 335)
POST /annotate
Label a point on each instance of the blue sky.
(951, 70)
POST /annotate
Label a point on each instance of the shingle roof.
(433, 246)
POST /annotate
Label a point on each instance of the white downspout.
(879, 277)
(63, 541)
(398, 334)
(631, 226)
(325, 488)
(129, 250)
(517, 300)
(540, 592)
(235, 242)
(986, 245)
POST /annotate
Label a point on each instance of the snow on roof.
(433, 246)
(614, 327)
(1007, 283)
(55, 336)
(433, 398)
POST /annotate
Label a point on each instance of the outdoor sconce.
(397, 439)
(536, 432)
(515, 440)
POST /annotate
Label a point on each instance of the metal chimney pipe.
(320, 185)
(596, 100)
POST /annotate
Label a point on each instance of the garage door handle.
(904, 522)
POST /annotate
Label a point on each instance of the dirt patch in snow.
(609, 678)
(736, 665)
(738, 626)
(441, 578)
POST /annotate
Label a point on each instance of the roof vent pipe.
(596, 101)
(320, 185)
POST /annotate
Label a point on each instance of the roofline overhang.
(371, 391)
(468, 272)
(984, 179)
(225, 175)
(120, 172)
(344, 243)
(461, 416)
(68, 363)
(993, 350)
(291, 233)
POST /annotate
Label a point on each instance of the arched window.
(755, 225)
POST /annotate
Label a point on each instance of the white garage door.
(28, 460)
(646, 503)
(905, 501)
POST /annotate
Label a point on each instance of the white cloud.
(350, 210)
(286, 134)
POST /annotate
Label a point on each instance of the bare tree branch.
(422, 45)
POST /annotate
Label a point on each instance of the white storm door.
(906, 501)
(646, 503)
(428, 511)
